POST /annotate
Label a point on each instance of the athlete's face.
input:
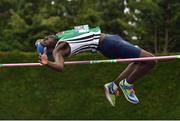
(49, 42)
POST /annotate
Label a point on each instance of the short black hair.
(52, 36)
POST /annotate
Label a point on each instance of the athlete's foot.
(110, 93)
(129, 92)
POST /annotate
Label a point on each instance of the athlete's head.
(49, 42)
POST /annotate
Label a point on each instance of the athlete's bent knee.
(152, 63)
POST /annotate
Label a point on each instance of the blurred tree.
(14, 32)
(156, 21)
(153, 24)
(147, 16)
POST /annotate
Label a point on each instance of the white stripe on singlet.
(81, 43)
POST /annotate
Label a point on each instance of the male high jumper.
(81, 39)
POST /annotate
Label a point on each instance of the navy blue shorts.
(114, 47)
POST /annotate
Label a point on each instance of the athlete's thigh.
(145, 53)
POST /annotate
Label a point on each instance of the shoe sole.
(108, 97)
(126, 95)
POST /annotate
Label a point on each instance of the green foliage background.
(155, 23)
(77, 93)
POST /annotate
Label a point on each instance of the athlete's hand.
(43, 59)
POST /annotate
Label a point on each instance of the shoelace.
(131, 89)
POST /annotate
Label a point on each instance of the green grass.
(77, 93)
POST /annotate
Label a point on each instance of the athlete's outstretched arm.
(58, 63)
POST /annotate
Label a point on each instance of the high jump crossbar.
(158, 58)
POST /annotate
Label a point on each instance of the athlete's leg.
(136, 70)
(142, 68)
(139, 70)
(129, 69)
(115, 47)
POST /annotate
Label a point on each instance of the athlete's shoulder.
(62, 48)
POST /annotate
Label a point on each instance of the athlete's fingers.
(39, 61)
(40, 57)
(45, 49)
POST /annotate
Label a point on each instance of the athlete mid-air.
(83, 38)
